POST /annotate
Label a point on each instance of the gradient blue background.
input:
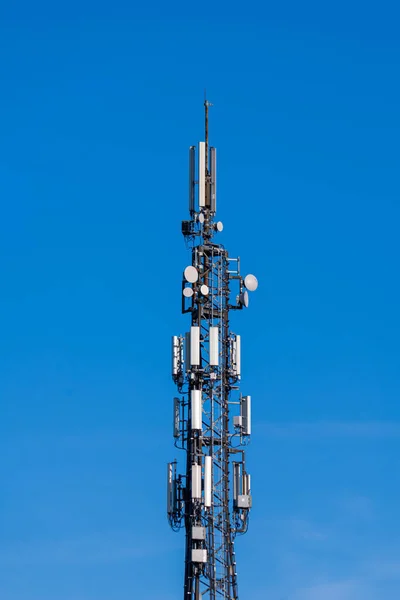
(99, 103)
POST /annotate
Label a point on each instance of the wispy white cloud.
(338, 555)
(94, 549)
(367, 584)
(297, 529)
(356, 506)
(386, 569)
(305, 530)
(336, 590)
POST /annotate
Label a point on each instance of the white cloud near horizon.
(345, 552)
(336, 590)
(93, 549)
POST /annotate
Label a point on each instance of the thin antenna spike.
(207, 104)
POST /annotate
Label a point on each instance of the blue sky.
(99, 104)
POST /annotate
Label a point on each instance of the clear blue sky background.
(99, 103)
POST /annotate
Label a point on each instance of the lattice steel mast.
(206, 367)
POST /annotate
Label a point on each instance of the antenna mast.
(212, 499)
(206, 105)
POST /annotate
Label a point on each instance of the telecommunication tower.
(212, 499)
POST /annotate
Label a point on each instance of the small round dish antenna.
(191, 274)
(201, 218)
(251, 283)
(187, 292)
(219, 226)
(204, 289)
(244, 299)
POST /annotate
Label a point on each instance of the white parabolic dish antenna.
(204, 289)
(191, 274)
(187, 292)
(251, 283)
(244, 298)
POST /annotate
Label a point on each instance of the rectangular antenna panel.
(175, 355)
(187, 351)
(176, 417)
(246, 484)
(195, 346)
(236, 349)
(171, 489)
(246, 414)
(214, 350)
(237, 481)
(202, 174)
(192, 176)
(196, 482)
(207, 480)
(213, 173)
(196, 409)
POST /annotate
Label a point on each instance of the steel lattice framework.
(213, 499)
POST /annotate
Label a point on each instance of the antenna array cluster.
(212, 499)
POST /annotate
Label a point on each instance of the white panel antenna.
(195, 346)
(236, 359)
(177, 405)
(214, 346)
(246, 484)
(196, 409)
(187, 351)
(246, 414)
(237, 480)
(171, 488)
(196, 481)
(202, 174)
(176, 355)
(213, 173)
(192, 177)
(207, 481)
